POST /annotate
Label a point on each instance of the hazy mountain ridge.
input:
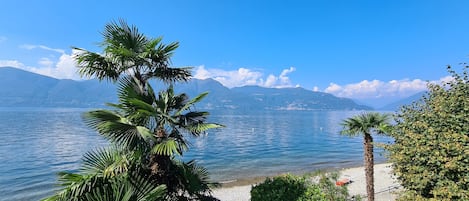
(406, 101)
(20, 88)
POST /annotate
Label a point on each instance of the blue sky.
(355, 49)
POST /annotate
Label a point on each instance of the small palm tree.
(366, 124)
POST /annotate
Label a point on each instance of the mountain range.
(19, 88)
(406, 101)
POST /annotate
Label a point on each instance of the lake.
(38, 142)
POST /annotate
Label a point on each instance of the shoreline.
(242, 181)
(385, 184)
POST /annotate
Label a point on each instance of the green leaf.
(202, 127)
(167, 147)
(146, 133)
(189, 104)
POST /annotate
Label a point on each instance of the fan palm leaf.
(76, 186)
(96, 65)
(118, 129)
(129, 52)
(186, 106)
(107, 162)
(195, 179)
(167, 147)
(135, 188)
(365, 123)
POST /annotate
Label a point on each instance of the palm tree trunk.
(160, 167)
(369, 162)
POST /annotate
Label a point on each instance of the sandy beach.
(385, 185)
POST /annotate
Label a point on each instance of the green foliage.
(95, 187)
(296, 188)
(129, 52)
(330, 190)
(147, 132)
(431, 149)
(365, 124)
(146, 129)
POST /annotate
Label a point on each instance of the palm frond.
(146, 134)
(199, 128)
(121, 35)
(191, 103)
(133, 188)
(365, 124)
(114, 127)
(167, 147)
(136, 100)
(170, 75)
(145, 189)
(160, 53)
(107, 162)
(110, 193)
(92, 64)
(142, 107)
(152, 44)
(192, 118)
(129, 88)
(178, 101)
(196, 178)
(125, 187)
(76, 185)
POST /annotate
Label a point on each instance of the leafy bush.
(296, 188)
(328, 187)
(431, 149)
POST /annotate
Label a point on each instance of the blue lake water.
(38, 142)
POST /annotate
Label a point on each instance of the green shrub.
(295, 188)
(329, 189)
(430, 153)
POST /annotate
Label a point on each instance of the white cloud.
(63, 68)
(380, 89)
(201, 73)
(270, 81)
(46, 62)
(244, 76)
(282, 81)
(11, 63)
(333, 88)
(31, 47)
(315, 88)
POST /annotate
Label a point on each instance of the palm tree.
(128, 52)
(366, 124)
(148, 131)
